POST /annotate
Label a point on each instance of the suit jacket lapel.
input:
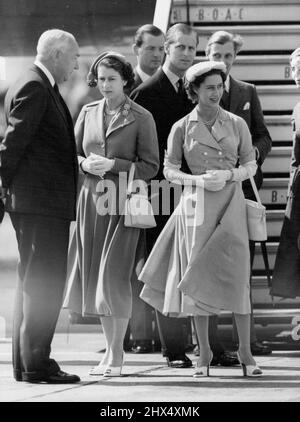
(166, 91)
(53, 94)
(137, 79)
(235, 96)
(60, 106)
(197, 130)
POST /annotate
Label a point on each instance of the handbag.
(138, 210)
(256, 216)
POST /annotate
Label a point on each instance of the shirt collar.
(171, 76)
(143, 75)
(194, 117)
(227, 84)
(46, 71)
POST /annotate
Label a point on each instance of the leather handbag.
(256, 216)
(138, 210)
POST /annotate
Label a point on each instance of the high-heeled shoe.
(202, 371)
(250, 370)
(98, 370)
(114, 371)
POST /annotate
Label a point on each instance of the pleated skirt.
(104, 255)
(200, 264)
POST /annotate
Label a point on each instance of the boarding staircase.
(271, 31)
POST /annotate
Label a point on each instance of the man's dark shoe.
(196, 351)
(179, 362)
(60, 377)
(142, 347)
(225, 358)
(260, 349)
(190, 347)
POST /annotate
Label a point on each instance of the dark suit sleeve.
(295, 161)
(138, 97)
(261, 138)
(79, 133)
(26, 111)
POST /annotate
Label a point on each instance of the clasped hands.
(97, 164)
(215, 180)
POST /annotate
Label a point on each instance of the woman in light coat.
(200, 263)
(104, 255)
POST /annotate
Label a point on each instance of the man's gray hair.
(51, 41)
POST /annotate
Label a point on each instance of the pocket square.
(246, 106)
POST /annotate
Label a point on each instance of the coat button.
(220, 152)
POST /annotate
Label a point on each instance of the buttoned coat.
(206, 259)
(286, 273)
(38, 154)
(105, 255)
(158, 95)
(130, 138)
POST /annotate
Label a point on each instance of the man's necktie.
(225, 100)
(180, 87)
(64, 106)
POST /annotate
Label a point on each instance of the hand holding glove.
(215, 180)
(97, 165)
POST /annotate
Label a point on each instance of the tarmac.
(147, 378)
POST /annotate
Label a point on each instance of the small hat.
(92, 75)
(200, 68)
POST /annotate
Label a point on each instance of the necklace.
(111, 112)
(114, 111)
(211, 121)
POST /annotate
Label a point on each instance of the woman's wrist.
(81, 165)
(230, 175)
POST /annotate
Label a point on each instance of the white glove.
(97, 165)
(215, 180)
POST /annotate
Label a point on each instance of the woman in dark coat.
(286, 275)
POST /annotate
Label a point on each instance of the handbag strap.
(254, 187)
(130, 179)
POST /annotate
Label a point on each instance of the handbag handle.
(254, 187)
(130, 179)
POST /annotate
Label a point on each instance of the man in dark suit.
(164, 96)
(38, 174)
(241, 99)
(149, 50)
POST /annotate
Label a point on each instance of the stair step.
(262, 38)
(261, 68)
(278, 160)
(274, 191)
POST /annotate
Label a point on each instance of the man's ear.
(167, 48)
(135, 49)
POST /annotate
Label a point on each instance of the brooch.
(126, 109)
